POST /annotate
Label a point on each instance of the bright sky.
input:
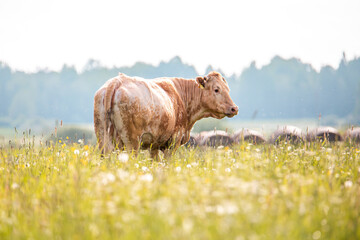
(229, 35)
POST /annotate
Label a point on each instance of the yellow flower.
(83, 162)
(86, 147)
(59, 141)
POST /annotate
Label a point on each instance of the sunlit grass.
(242, 192)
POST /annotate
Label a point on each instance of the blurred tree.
(5, 98)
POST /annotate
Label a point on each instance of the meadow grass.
(309, 191)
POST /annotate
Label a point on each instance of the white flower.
(145, 168)
(348, 184)
(227, 170)
(226, 209)
(188, 166)
(85, 153)
(122, 174)
(146, 177)
(14, 186)
(80, 141)
(316, 235)
(136, 165)
(178, 169)
(195, 164)
(123, 157)
(107, 178)
(76, 152)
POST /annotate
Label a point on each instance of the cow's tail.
(108, 103)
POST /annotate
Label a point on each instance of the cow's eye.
(216, 90)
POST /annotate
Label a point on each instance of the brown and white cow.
(132, 112)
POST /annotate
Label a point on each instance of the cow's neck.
(191, 94)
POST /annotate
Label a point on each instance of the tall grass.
(310, 191)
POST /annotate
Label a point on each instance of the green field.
(67, 191)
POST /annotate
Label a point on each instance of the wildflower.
(226, 209)
(316, 235)
(123, 157)
(178, 169)
(145, 168)
(227, 170)
(107, 178)
(348, 184)
(136, 165)
(14, 186)
(195, 164)
(146, 177)
(81, 141)
(187, 225)
(85, 153)
(188, 166)
(122, 174)
(76, 152)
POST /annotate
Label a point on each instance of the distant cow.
(353, 134)
(248, 135)
(215, 138)
(192, 141)
(287, 133)
(132, 112)
(322, 133)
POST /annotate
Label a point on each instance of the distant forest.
(285, 88)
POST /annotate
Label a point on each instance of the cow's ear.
(201, 81)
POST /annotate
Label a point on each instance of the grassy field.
(242, 192)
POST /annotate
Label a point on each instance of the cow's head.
(216, 99)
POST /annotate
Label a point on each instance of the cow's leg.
(154, 154)
(131, 138)
(118, 142)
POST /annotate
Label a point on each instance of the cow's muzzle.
(232, 111)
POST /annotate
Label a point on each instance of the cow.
(157, 114)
